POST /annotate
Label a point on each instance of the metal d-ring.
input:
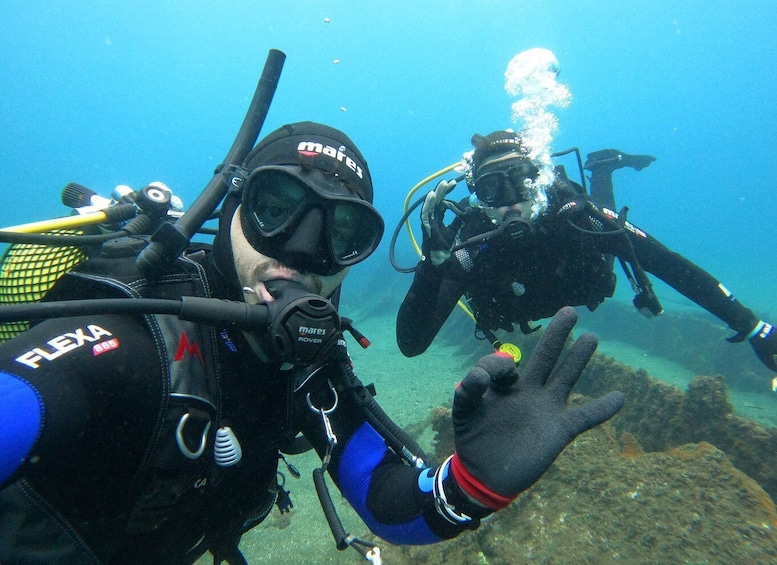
(182, 444)
(322, 410)
(331, 438)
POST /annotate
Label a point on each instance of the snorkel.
(170, 240)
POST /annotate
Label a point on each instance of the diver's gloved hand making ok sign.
(438, 238)
(510, 427)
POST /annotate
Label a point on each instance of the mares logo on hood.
(64, 343)
(314, 149)
(508, 141)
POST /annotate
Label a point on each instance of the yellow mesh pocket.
(27, 272)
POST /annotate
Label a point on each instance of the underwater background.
(107, 93)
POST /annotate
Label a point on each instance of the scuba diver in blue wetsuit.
(144, 413)
(522, 246)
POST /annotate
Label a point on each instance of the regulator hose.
(330, 513)
(250, 317)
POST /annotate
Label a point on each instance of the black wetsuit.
(565, 261)
(109, 423)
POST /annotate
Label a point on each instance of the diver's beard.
(272, 269)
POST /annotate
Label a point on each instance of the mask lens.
(490, 187)
(519, 174)
(277, 205)
(505, 187)
(274, 200)
(355, 230)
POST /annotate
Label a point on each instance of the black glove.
(438, 239)
(765, 344)
(509, 428)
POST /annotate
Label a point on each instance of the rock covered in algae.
(608, 501)
(661, 417)
(652, 486)
(694, 340)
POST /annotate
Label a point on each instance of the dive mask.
(307, 219)
(505, 186)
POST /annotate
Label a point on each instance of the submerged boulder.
(606, 500)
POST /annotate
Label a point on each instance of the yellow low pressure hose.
(413, 240)
(68, 222)
(412, 192)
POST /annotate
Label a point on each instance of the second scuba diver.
(520, 248)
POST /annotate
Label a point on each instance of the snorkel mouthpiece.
(303, 327)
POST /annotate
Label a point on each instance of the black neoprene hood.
(316, 146)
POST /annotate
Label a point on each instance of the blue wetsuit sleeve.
(363, 454)
(21, 420)
(395, 499)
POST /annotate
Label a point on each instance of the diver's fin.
(611, 159)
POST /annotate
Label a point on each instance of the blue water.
(104, 94)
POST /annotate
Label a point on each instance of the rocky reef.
(661, 417)
(674, 478)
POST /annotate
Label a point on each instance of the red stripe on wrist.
(477, 490)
